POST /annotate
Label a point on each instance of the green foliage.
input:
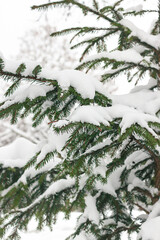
(37, 70)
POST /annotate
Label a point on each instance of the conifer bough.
(102, 154)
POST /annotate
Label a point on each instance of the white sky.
(16, 17)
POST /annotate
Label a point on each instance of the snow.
(27, 91)
(129, 55)
(155, 210)
(151, 83)
(143, 100)
(150, 230)
(132, 117)
(99, 146)
(85, 84)
(129, 115)
(54, 188)
(137, 8)
(90, 211)
(134, 181)
(91, 114)
(152, 40)
(100, 170)
(21, 150)
(52, 143)
(135, 157)
(17, 153)
(111, 186)
(82, 181)
(85, 236)
(61, 229)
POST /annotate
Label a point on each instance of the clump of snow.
(12, 66)
(152, 40)
(139, 48)
(99, 146)
(53, 142)
(129, 115)
(100, 170)
(17, 153)
(145, 101)
(129, 55)
(32, 172)
(137, 8)
(27, 90)
(132, 117)
(151, 83)
(85, 84)
(134, 181)
(82, 181)
(111, 186)
(135, 157)
(150, 230)
(90, 211)
(91, 114)
(155, 211)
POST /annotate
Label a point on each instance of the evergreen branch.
(117, 3)
(135, 13)
(145, 44)
(53, 4)
(13, 87)
(118, 230)
(87, 49)
(89, 30)
(115, 72)
(10, 75)
(144, 192)
(143, 146)
(66, 31)
(94, 40)
(111, 61)
(80, 5)
(142, 208)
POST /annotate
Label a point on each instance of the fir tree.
(103, 151)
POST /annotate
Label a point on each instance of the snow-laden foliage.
(37, 45)
(102, 153)
(23, 128)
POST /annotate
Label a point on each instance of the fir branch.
(10, 75)
(141, 208)
(93, 41)
(66, 31)
(136, 13)
(80, 5)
